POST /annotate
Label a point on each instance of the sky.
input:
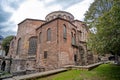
(13, 12)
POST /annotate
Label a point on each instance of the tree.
(97, 9)
(6, 43)
(107, 37)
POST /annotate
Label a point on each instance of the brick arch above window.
(73, 30)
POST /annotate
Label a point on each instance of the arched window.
(68, 17)
(59, 15)
(49, 34)
(19, 46)
(32, 45)
(64, 32)
(73, 35)
(64, 17)
(75, 57)
(45, 54)
(40, 37)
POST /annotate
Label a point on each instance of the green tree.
(107, 37)
(6, 43)
(97, 9)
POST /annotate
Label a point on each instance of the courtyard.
(102, 72)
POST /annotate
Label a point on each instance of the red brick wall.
(50, 46)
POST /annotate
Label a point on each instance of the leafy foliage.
(6, 43)
(97, 9)
(107, 38)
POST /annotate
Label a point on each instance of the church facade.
(55, 42)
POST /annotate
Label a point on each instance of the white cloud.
(37, 10)
(32, 9)
(6, 7)
(29, 9)
(48, 1)
(79, 9)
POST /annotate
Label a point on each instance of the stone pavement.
(88, 67)
(35, 75)
(46, 73)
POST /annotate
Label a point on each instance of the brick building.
(48, 44)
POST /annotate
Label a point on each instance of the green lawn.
(103, 72)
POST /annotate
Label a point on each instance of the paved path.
(88, 67)
(40, 74)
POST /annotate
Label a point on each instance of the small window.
(45, 54)
(64, 17)
(49, 34)
(59, 15)
(75, 57)
(40, 37)
(64, 32)
(73, 36)
(19, 46)
(68, 17)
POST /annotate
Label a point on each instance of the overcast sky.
(13, 12)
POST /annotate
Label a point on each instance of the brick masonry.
(60, 51)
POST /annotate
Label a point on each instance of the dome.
(61, 14)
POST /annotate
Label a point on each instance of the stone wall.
(60, 51)
(51, 62)
(26, 29)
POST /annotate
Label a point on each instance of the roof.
(57, 19)
(77, 20)
(31, 20)
(59, 12)
(83, 23)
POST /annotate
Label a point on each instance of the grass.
(102, 72)
(68, 75)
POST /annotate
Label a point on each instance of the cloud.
(33, 9)
(13, 12)
(7, 28)
(7, 8)
(64, 3)
(4, 16)
(79, 9)
(5, 34)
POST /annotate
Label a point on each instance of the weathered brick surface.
(21, 61)
(60, 52)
